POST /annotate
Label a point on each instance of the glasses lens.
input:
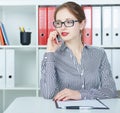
(69, 23)
(57, 24)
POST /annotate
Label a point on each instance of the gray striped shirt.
(92, 77)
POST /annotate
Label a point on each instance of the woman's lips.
(64, 33)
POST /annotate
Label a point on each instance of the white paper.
(81, 103)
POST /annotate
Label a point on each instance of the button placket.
(82, 72)
(83, 79)
(75, 62)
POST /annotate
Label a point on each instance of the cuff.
(84, 95)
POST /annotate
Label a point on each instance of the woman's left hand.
(67, 94)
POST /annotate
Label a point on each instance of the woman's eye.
(58, 23)
(69, 21)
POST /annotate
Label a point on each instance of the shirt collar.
(63, 46)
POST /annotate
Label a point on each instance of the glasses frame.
(73, 22)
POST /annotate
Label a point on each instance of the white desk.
(40, 105)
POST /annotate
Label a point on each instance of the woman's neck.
(76, 47)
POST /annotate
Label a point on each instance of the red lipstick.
(64, 33)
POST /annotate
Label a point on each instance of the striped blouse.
(92, 77)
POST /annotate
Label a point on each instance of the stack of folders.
(99, 30)
(3, 36)
(7, 66)
(45, 23)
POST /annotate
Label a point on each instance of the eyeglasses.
(67, 23)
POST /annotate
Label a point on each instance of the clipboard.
(81, 104)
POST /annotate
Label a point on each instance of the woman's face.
(68, 33)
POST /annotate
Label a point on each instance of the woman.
(72, 70)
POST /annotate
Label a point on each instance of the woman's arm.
(107, 87)
(48, 83)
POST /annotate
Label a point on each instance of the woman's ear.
(82, 25)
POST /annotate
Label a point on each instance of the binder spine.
(87, 32)
(96, 26)
(2, 69)
(10, 65)
(106, 26)
(42, 25)
(51, 10)
(116, 25)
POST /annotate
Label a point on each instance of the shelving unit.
(16, 13)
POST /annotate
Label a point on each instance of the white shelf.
(111, 47)
(58, 2)
(18, 2)
(24, 87)
(82, 2)
(44, 47)
(18, 47)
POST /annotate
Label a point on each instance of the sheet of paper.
(81, 103)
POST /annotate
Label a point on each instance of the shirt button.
(45, 57)
(83, 86)
(82, 72)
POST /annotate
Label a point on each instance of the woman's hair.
(74, 8)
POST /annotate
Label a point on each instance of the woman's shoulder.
(95, 49)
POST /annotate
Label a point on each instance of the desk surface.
(40, 105)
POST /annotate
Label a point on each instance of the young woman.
(71, 70)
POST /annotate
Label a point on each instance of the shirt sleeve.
(107, 87)
(48, 82)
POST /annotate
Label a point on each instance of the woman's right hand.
(52, 43)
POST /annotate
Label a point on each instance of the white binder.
(10, 75)
(116, 25)
(2, 68)
(116, 67)
(96, 25)
(106, 26)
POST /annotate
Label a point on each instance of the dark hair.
(74, 8)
